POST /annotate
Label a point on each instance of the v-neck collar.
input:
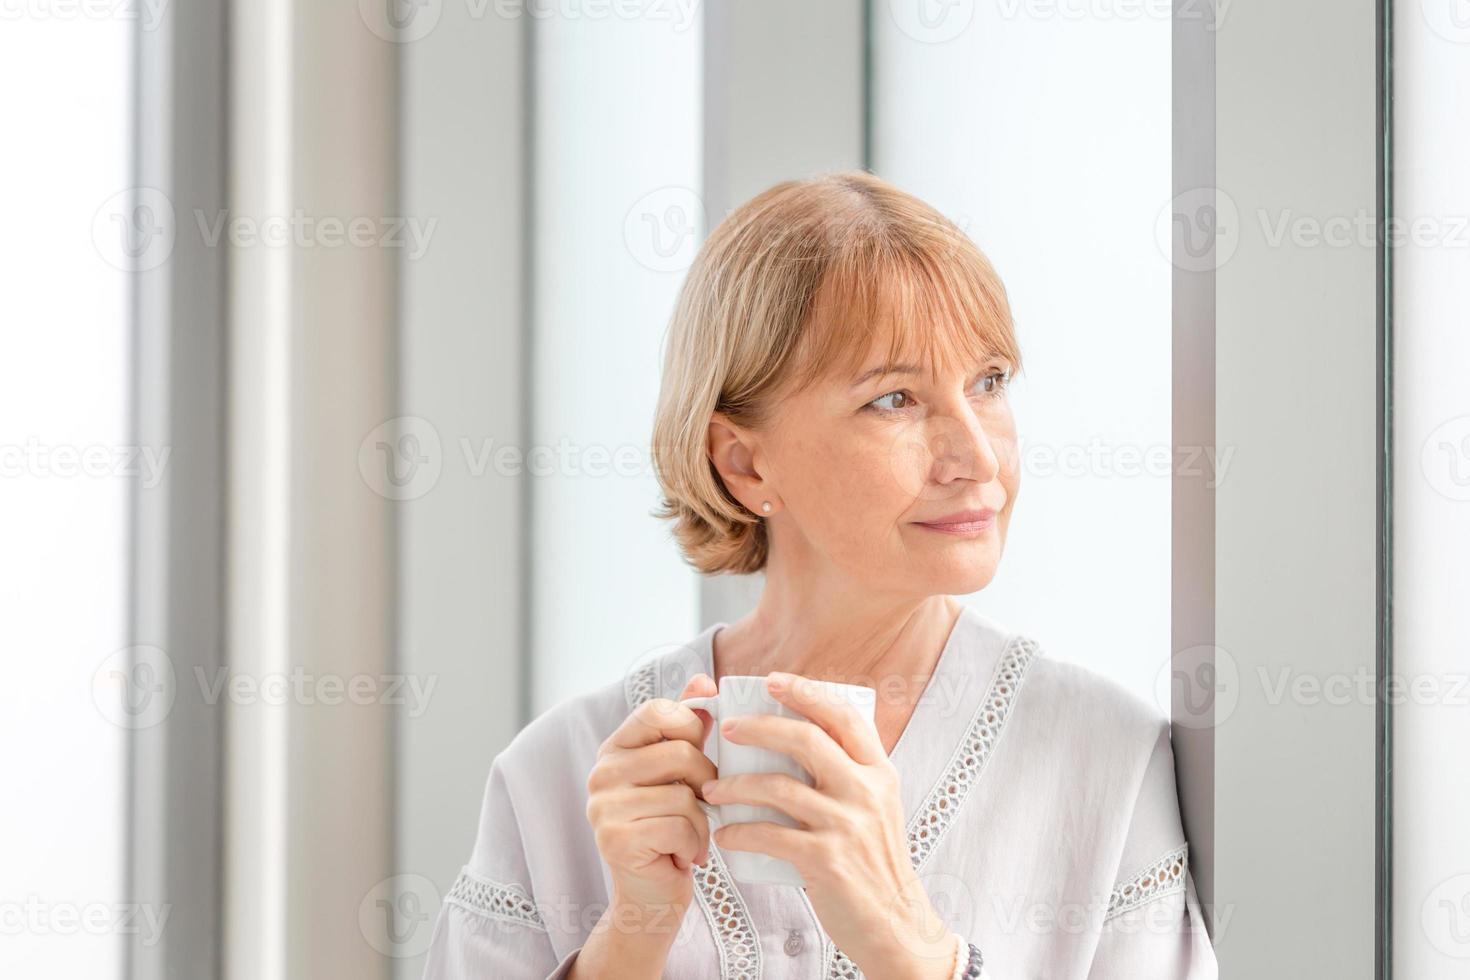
(950, 659)
(939, 767)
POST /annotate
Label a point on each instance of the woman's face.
(865, 471)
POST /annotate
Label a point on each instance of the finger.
(655, 720)
(791, 796)
(628, 803)
(837, 718)
(672, 760)
(674, 836)
(811, 747)
(779, 841)
(693, 817)
(701, 685)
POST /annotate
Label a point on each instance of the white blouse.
(1042, 820)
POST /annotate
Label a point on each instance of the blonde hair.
(797, 283)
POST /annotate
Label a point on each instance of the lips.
(962, 518)
(964, 523)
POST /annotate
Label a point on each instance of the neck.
(834, 635)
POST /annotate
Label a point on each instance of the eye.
(883, 403)
(993, 385)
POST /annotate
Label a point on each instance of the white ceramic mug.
(744, 695)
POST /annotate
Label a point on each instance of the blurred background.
(332, 334)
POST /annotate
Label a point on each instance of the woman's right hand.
(643, 805)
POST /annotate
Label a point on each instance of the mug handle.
(711, 704)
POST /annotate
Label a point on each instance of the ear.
(734, 451)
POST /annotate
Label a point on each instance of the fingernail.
(729, 724)
(776, 679)
(706, 787)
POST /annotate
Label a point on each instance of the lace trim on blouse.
(971, 755)
(496, 900)
(729, 920)
(965, 767)
(1165, 876)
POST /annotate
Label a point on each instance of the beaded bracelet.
(968, 961)
(977, 963)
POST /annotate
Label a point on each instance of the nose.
(961, 448)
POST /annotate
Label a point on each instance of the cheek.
(845, 485)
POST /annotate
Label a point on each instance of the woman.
(834, 413)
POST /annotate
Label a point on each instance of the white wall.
(1046, 135)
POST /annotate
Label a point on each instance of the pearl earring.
(765, 506)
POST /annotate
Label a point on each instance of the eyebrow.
(883, 370)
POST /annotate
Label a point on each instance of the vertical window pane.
(1044, 131)
(64, 486)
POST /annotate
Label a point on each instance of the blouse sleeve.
(1153, 926)
(491, 927)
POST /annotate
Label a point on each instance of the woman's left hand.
(851, 846)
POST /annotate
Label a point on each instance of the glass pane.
(1044, 131)
(65, 473)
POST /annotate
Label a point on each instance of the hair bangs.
(936, 304)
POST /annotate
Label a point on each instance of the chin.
(971, 580)
(955, 575)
